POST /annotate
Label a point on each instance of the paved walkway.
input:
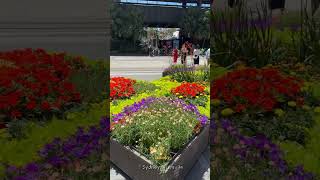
(142, 67)
(150, 68)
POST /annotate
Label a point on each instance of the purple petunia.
(267, 150)
(60, 152)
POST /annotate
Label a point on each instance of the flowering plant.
(34, 83)
(237, 152)
(263, 101)
(157, 127)
(73, 155)
(256, 88)
(121, 87)
(190, 90)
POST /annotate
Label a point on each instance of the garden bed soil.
(138, 167)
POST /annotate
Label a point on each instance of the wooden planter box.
(138, 167)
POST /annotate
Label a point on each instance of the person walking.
(196, 55)
(175, 55)
(184, 52)
(149, 49)
(208, 56)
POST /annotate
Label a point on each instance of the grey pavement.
(150, 68)
(142, 67)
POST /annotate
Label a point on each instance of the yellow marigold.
(216, 102)
(279, 112)
(227, 112)
(292, 104)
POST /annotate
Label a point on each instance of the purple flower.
(144, 103)
(32, 168)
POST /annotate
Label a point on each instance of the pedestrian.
(175, 55)
(149, 49)
(184, 52)
(196, 55)
(208, 56)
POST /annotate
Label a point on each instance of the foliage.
(144, 87)
(188, 74)
(121, 87)
(307, 155)
(128, 25)
(157, 126)
(73, 154)
(241, 157)
(310, 40)
(90, 82)
(195, 22)
(216, 72)
(19, 152)
(240, 35)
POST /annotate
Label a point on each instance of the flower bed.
(262, 106)
(34, 84)
(154, 106)
(48, 101)
(150, 124)
(81, 153)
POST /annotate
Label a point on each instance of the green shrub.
(239, 35)
(144, 87)
(307, 155)
(91, 82)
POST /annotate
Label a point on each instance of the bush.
(182, 73)
(240, 35)
(91, 82)
(144, 87)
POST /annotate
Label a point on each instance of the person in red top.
(175, 55)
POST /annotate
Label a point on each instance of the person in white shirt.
(208, 55)
(196, 55)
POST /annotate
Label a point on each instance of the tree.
(126, 22)
(195, 23)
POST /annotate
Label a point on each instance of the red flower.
(121, 87)
(77, 97)
(31, 105)
(188, 89)
(257, 87)
(45, 106)
(15, 114)
(240, 107)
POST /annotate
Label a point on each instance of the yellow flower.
(197, 96)
(317, 109)
(153, 150)
(292, 104)
(279, 112)
(306, 107)
(215, 102)
(227, 112)
(180, 97)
